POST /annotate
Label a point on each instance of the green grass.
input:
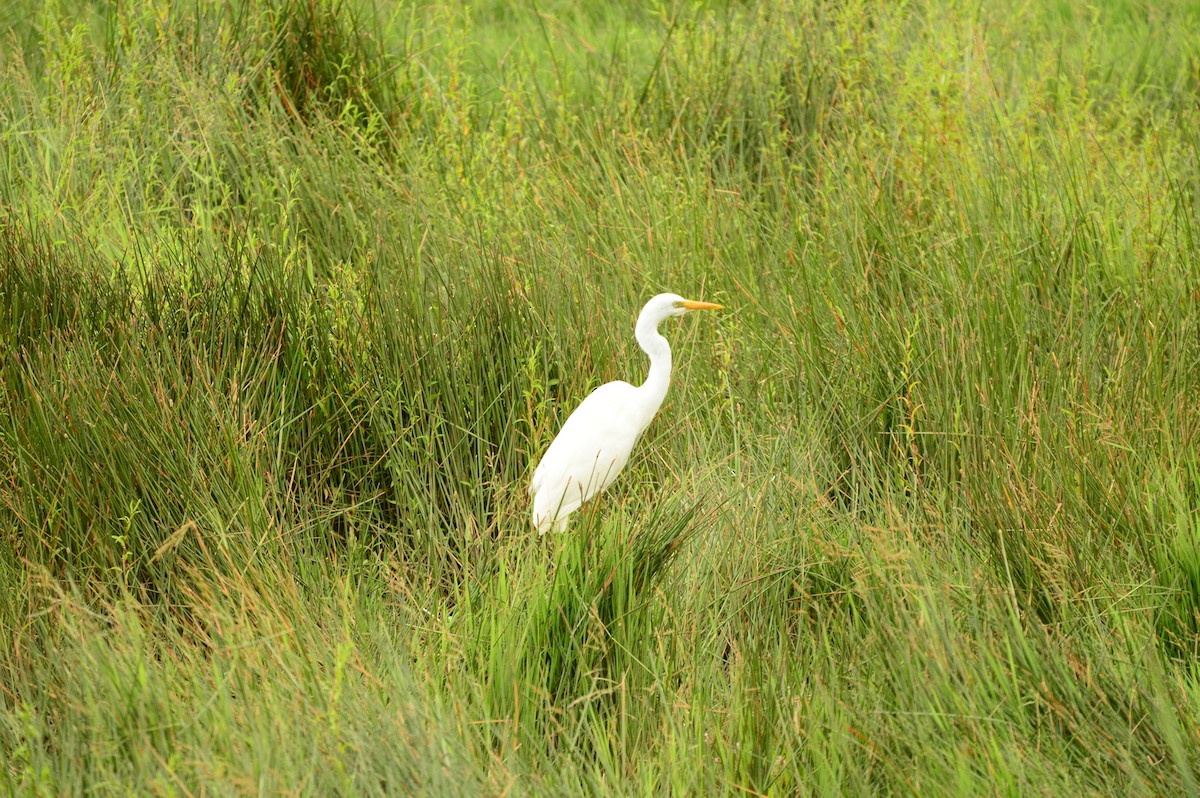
(293, 295)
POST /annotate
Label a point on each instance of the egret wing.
(590, 451)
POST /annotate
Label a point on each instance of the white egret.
(597, 439)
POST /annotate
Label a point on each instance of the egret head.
(666, 305)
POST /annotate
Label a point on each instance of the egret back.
(589, 452)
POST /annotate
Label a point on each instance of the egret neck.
(654, 389)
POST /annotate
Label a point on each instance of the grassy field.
(293, 296)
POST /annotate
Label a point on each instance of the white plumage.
(594, 444)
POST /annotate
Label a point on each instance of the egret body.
(597, 439)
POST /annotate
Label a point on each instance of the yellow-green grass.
(293, 296)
